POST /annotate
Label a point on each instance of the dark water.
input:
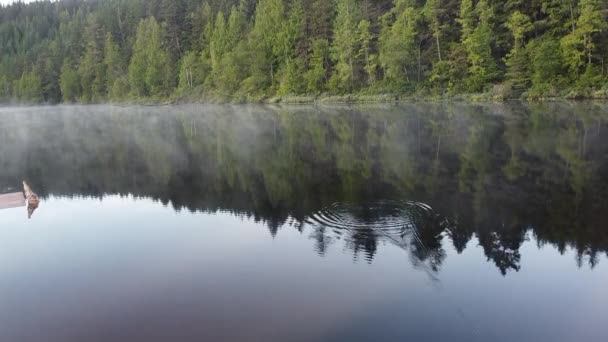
(242, 223)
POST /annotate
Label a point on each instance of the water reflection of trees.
(494, 172)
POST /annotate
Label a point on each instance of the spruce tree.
(344, 47)
(69, 82)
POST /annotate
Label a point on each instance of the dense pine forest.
(248, 50)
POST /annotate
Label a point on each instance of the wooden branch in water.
(17, 199)
(32, 199)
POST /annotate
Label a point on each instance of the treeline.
(104, 50)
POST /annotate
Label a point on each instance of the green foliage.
(292, 81)
(399, 45)
(344, 47)
(269, 45)
(547, 62)
(432, 11)
(91, 69)
(370, 60)
(578, 46)
(316, 76)
(517, 60)
(518, 73)
(114, 66)
(28, 88)
(519, 24)
(228, 53)
(191, 73)
(478, 44)
(591, 79)
(5, 89)
(255, 49)
(69, 82)
(149, 71)
(218, 44)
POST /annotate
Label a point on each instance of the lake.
(420, 222)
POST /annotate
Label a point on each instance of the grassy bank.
(496, 95)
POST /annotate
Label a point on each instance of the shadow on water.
(358, 176)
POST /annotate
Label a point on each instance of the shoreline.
(347, 99)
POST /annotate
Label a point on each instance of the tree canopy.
(105, 50)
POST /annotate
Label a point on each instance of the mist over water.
(299, 223)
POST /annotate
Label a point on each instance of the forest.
(93, 51)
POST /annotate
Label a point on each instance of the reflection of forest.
(495, 172)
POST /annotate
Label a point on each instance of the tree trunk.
(589, 44)
(352, 73)
(438, 46)
(271, 72)
(572, 18)
(419, 48)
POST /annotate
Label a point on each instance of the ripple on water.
(391, 218)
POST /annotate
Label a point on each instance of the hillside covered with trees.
(117, 50)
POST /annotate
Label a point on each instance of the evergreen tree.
(205, 38)
(432, 13)
(28, 88)
(258, 48)
(114, 67)
(5, 89)
(218, 45)
(321, 18)
(292, 79)
(316, 76)
(477, 42)
(266, 45)
(201, 20)
(517, 59)
(190, 71)
(149, 70)
(399, 45)
(91, 69)
(547, 64)
(344, 47)
(232, 65)
(370, 60)
(579, 45)
(49, 63)
(69, 82)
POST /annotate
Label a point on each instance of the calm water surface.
(249, 223)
